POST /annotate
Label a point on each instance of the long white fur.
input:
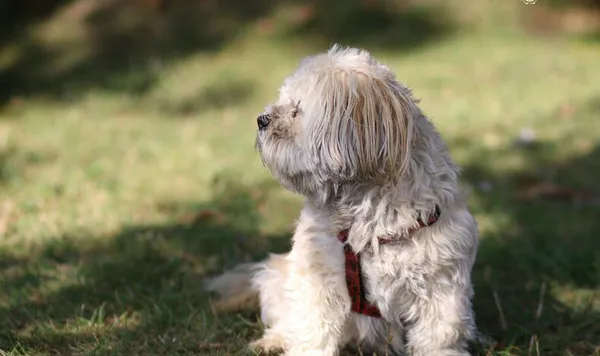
(352, 140)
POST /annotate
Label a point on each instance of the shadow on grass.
(537, 279)
(397, 25)
(81, 292)
(121, 46)
(138, 291)
(16, 16)
(60, 297)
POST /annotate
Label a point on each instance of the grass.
(124, 182)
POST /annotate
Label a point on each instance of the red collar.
(353, 272)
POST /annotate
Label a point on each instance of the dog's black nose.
(263, 121)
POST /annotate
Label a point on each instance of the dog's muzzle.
(263, 121)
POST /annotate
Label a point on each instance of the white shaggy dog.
(384, 246)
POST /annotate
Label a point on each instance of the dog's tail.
(236, 288)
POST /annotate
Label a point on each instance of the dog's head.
(340, 117)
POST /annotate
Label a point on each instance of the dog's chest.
(398, 272)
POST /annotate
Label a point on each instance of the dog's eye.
(295, 113)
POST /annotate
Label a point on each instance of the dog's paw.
(268, 344)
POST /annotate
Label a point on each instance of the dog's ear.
(369, 126)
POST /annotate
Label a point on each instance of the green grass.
(123, 184)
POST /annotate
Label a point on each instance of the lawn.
(128, 172)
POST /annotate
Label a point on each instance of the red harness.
(353, 273)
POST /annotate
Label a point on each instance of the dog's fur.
(351, 139)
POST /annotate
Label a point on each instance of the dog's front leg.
(316, 292)
(444, 322)
(320, 304)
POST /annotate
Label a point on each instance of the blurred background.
(128, 173)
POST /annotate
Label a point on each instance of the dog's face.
(341, 117)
